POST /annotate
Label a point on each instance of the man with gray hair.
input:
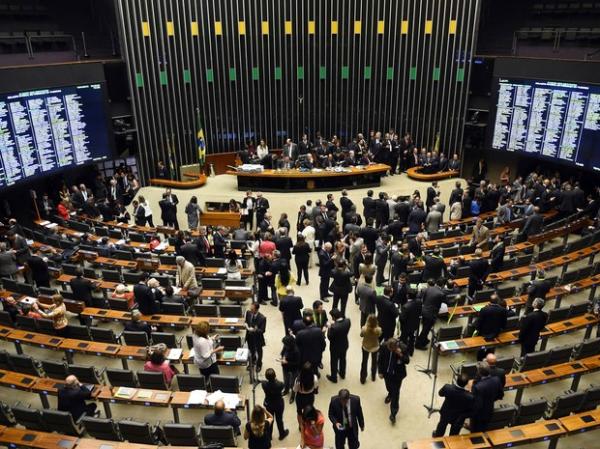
(186, 274)
(531, 325)
(72, 396)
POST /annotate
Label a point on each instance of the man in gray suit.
(290, 149)
(366, 299)
(433, 220)
(505, 212)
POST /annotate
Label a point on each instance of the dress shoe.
(363, 380)
(324, 299)
(343, 376)
(284, 435)
(387, 400)
(393, 419)
(373, 377)
(331, 379)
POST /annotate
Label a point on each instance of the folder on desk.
(242, 354)
(174, 353)
(478, 307)
(228, 354)
(125, 392)
(144, 394)
(448, 345)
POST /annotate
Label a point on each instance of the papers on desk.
(242, 354)
(162, 246)
(174, 353)
(231, 400)
(238, 288)
(192, 353)
(125, 392)
(29, 300)
(51, 225)
(176, 290)
(44, 223)
(229, 354)
(197, 397)
(144, 394)
(120, 242)
(478, 307)
(232, 320)
(222, 271)
(567, 287)
(449, 345)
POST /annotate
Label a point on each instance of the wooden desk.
(227, 219)
(198, 181)
(470, 441)
(528, 433)
(429, 443)
(32, 338)
(179, 400)
(415, 173)
(296, 180)
(581, 422)
(15, 437)
(156, 398)
(92, 443)
(17, 381)
(72, 346)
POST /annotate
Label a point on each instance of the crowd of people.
(368, 256)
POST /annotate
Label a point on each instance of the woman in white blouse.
(205, 349)
(147, 210)
(262, 150)
(309, 237)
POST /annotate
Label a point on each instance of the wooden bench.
(415, 173)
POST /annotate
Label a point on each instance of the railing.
(555, 35)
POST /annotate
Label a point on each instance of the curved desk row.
(416, 173)
(199, 179)
(322, 180)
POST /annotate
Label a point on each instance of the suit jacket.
(186, 276)
(533, 225)
(455, 196)
(435, 268)
(415, 219)
(410, 316)
(530, 327)
(387, 313)
(458, 402)
(338, 336)
(369, 236)
(168, 212)
(391, 365)
(368, 207)
(367, 298)
(336, 414)
(224, 419)
(486, 392)
(479, 269)
(311, 343)
(539, 288)
(346, 204)
(382, 211)
(291, 309)
(73, 400)
(342, 281)
(431, 194)
(284, 245)
(192, 254)
(480, 237)
(433, 297)
(219, 244)
(145, 299)
(39, 269)
(491, 320)
(82, 290)
(497, 256)
(433, 220)
(258, 321)
(325, 263)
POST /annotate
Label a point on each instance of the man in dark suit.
(538, 288)
(432, 192)
(382, 211)
(531, 325)
(403, 211)
(393, 358)
(290, 150)
(497, 254)
(82, 288)
(369, 206)
(369, 235)
(533, 225)
(261, 206)
(284, 244)
(256, 325)
(346, 415)
(456, 194)
(480, 268)
(46, 206)
(325, 266)
(192, 253)
(290, 307)
(345, 202)
(136, 325)
(410, 315)
(72, 397)
(416, 218)
(168, 212)
(486, 391)
(457, 406)
(433, 296)
(311, 343)
(38, 268)
(223, 417)
(500, 373)
(219, 242)
(387, 313)
(144, 297)
(490, 322)
(338, 344)
(435, 267)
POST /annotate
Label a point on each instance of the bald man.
(223, 417)
(72, 396)
(494, 369)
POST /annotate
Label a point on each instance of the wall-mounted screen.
(46, 130)
(553, 120)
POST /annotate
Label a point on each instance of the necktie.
(346, 420)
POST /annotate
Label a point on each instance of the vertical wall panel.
(277, 68)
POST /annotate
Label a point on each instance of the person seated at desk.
(307, 162)
(284, 163)
(454, 163)
(159, 363)
(262, 151)
(223, 417)
(122, 292)
(136, 325)
(170, 296)
(72, 397)
(12, 306)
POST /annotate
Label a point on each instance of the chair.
(55, 370)
(26, 323)
(121, 377)
(166, 259)
(165, 280)
(141, 433)
(218, 434)
(101, 428)
(579, 308)
(30, 418)
(131, 277)
(565, 404)
(468, 369)
(111, 275)
(152, 380)
(90, 273)
(212, 283)
(47, 291)
(123, 255)
(189, 341)
(6, 415)
(115, 234)
(101, 231)
(227, 384)
(45, 326)
(61, 422)
(173, 308)
(5, 319)
(533, 360)
(502, 416)
(137, 237)
(560, 314)
(531, 411)
(449, 333)
(205, 310)
(118, 304)
(235, 283)
(104, 335)
(26, 289)
(560, 354)
(25, 364)
(231, 342)
(182, 434)
(512, 323)
(214, 262)
(70, 269)
(191, 382)
(231, 311)
(132, 338)
(505, 363)
(78, 332)
(171, 340)
(506, 292)
(483, 295)
(587, 348)
(87, 374)
(591, 399)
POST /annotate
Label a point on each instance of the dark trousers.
(212, 369)
(408, 338)
(365, 362)
(474, 285)
(347, 434)
(393, 388)
(302, 267)
(526, 348)
(149, 221)
(393, 163)
(426, 326)
(479, 423)
(277, 411)
(363, 318)
(340, 298)
(256, 352)
(338, 363)
(324, 287)
(248, 221)
(455, 426)
(379, 276)
(263, 290)
(289, 376)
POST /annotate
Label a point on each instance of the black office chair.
(70, 269)
(111, 275)
(587, 348)
(191, 382)
(449, 333)
(25, 364)
(46, 326)
(231, 311)
(212, 283)
(55, 370)
(26, 323)
(533, 360)
(224, 435)
(118, 304)
(560, 354)
(5, 319)
(61, 422)
(152, 380)
(6, 415)
(502, 417)
(231, 342)
(78, 332)
(170, 340)
(166, 259)
(87, 374)
(30, 418)
(591, 399)
(565, 404)
(141, 433)
(121, 378)
(182, 434)
(104, 335)
(131, 277)
(531, 411)
(173, 308)
(227, 384)
(214, 262)
(559, 314)
(132, 338)
(205, 310)
(101, 428)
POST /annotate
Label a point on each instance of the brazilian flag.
(200, 142)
